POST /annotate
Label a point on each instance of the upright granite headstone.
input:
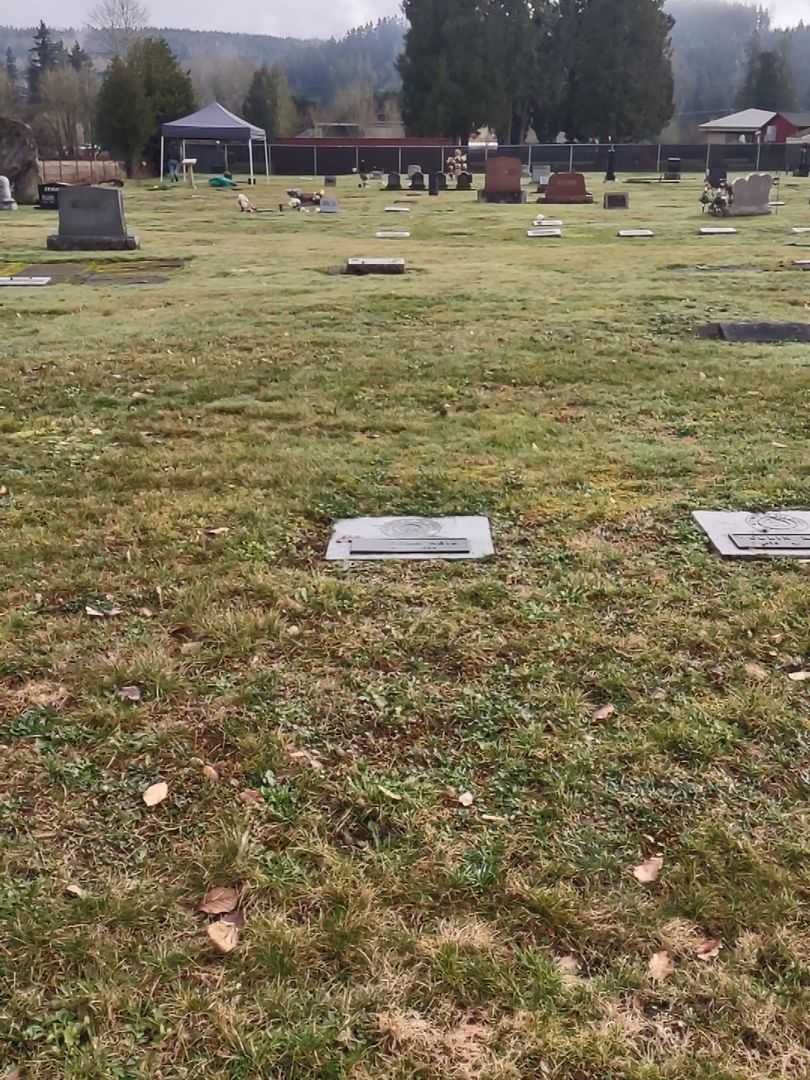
(503, 181)
(750, 195)
(540, 175)
(673, 170)
(417, 181)
(464, 181)
(328, 205)
(6, 201)
(92, 219)
(567, 187)
(330, 181)
(433, 184)
(616, 200)
(394, 182)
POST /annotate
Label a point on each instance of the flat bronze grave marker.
(381, 538)
(743, 535)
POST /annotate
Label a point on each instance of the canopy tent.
(214, 123)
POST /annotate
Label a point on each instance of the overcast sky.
(311, 18)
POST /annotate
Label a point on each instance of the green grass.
(389, 931)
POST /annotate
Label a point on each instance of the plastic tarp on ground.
(213, 121)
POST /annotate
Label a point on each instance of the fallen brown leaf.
(235, 918)
(13, 1074)
(466, 798)
(310, 759)
(220, 530)
(225, 936)
(129, 693)
(709, 949)
(210, 773)
(799, 676)
(251, 797)
(146, 612)
(648, 871)
(156, 793)
(3, 491)
(218, 900)
(660, 966)
(188, 648)
(756, 671)
(605, 712)
(75, 890)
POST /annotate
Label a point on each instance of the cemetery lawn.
(606, 689)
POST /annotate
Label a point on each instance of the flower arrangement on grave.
(457, 163)
(717, 200)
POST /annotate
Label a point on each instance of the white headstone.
(635, 232)
(30, 281)
(6, 201)
(397, 209)
(712, 230)
(392, 234)
(329, 205)
(547, 223)
(800, 230)
(544, 232)
(411, 538)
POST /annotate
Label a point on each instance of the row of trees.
(593, 68)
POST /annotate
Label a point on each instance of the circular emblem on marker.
(411, 526)
(775, 522)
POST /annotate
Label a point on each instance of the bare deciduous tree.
(117, 23)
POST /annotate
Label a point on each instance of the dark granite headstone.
(92, 219)
(330, 181)
(394, 182)
(673, 170)
(464, 181)
(433, 183)
(503, 181)
(417, 181)
(616, 200)
(567, 187)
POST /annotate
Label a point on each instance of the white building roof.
(747, 120)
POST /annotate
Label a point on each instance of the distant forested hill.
(316, 69)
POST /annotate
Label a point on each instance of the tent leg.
(266, 160)
(162, 144)
(250, 157)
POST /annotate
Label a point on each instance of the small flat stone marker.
(375, 266)
(778, 202)
(802, 264)
(547, 223)
(741, 535)
(544, 232)
(717, 230)
(10, 281)
(392, 234)
(635, 232)
(381, 538)
(800, 230)
(397, 210)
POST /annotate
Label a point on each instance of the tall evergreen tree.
(167, 88)
(620, 76)
(78, 58)
(12, 76)
(444, 75)
(46, 55)
(768, 82)
(269, 104)
(124, 118)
